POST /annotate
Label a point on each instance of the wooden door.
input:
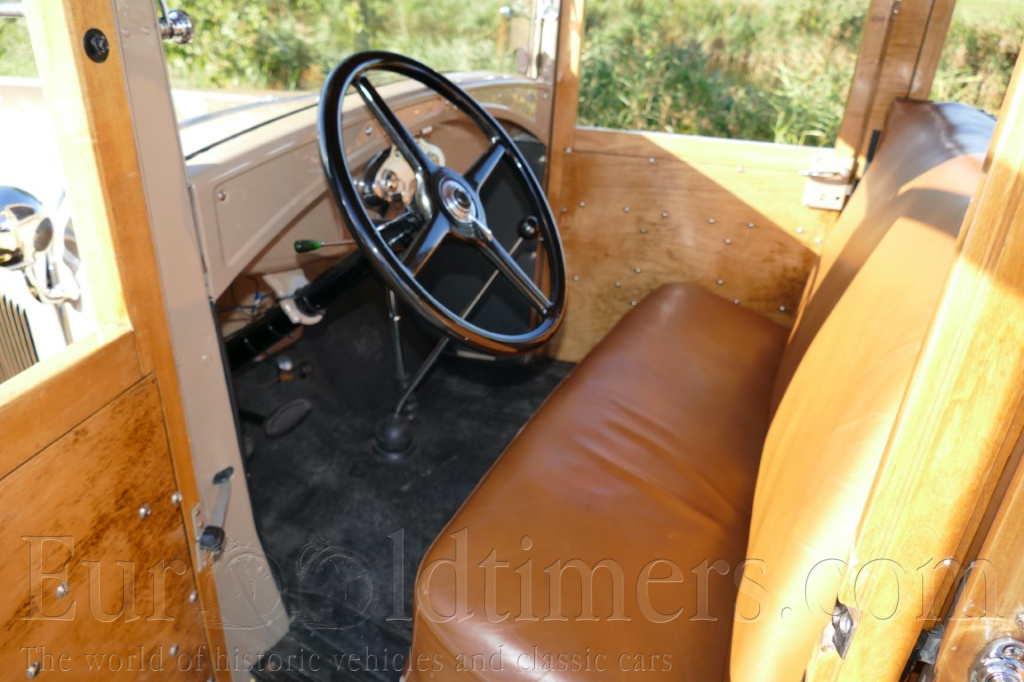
(95, 468)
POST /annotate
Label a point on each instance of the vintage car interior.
(416, 378)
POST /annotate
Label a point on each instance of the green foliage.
(15, 50)
(774, 70)
(293, 44)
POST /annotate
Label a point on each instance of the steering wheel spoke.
(395, 129)
(508, 267)
(426, 243)
(485, 165)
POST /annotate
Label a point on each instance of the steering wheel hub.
(457, 200)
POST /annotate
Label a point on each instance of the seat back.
(862, 322)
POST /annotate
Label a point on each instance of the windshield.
(293, 44)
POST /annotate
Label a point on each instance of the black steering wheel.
(446, 205)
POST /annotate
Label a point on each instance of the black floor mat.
(333, 516)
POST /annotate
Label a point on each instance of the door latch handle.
(212, 537)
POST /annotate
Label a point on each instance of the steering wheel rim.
(451, 203)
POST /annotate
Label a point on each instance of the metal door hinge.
(828, 182)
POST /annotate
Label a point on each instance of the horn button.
(460, 204)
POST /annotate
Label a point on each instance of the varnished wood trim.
(46, 401)
(695, 149)
(931, 51)
(959, 424)
(566, 97)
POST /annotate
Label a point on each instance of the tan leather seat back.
(862, 323)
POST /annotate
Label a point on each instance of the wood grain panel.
(566, 95)
(87, 489)
(43, 403)
(656, 208)
(959, 425)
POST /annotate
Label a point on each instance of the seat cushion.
(642, 464)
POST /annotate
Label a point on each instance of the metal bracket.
(828, 182)
(210, 537)
(285, 284)
(843, 627)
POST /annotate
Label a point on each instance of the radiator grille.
(17, 349)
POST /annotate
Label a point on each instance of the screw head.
(720, 282)
(144, 511)
(193, 597)
(575, 278)
(176, 497)
(618, 285)
(33, 670)
(222, 196)
(632, 303)
(711, 221)
(96, 45)
(782, 308)
(637, 270)
(728, 241)
(582, 204)
(63, 590)
(750, 226)
(643, 230)
(625, 209)
(173, 651)
(664, 214)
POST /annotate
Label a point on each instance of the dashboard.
(258, 185)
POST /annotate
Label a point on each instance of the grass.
(775, 70)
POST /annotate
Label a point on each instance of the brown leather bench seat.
(610, 537)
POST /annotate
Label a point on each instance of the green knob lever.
(307, 245)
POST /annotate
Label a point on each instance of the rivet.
(817, 240)
(637, 270)
(632, 303)
(720, 282)
(173, 651)
(799, 230)
(664, 214)
(582, 204)
(564, 209)
(782, 308)
(728, 241)
(176, 497)
(750, 226)
(735, 301)
(625, 209)
(643, 230)
(575, 278)
(222, 196)
(711, 221)
(618, 285)
(739, 169)
(32, 671)
(144, 511)
(650, 159)
(368, 131)
(62, 590)
(568, 150)
(193, 597)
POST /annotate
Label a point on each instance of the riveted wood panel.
(73, 511)
(652, 209)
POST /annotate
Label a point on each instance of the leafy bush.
(776, 70)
